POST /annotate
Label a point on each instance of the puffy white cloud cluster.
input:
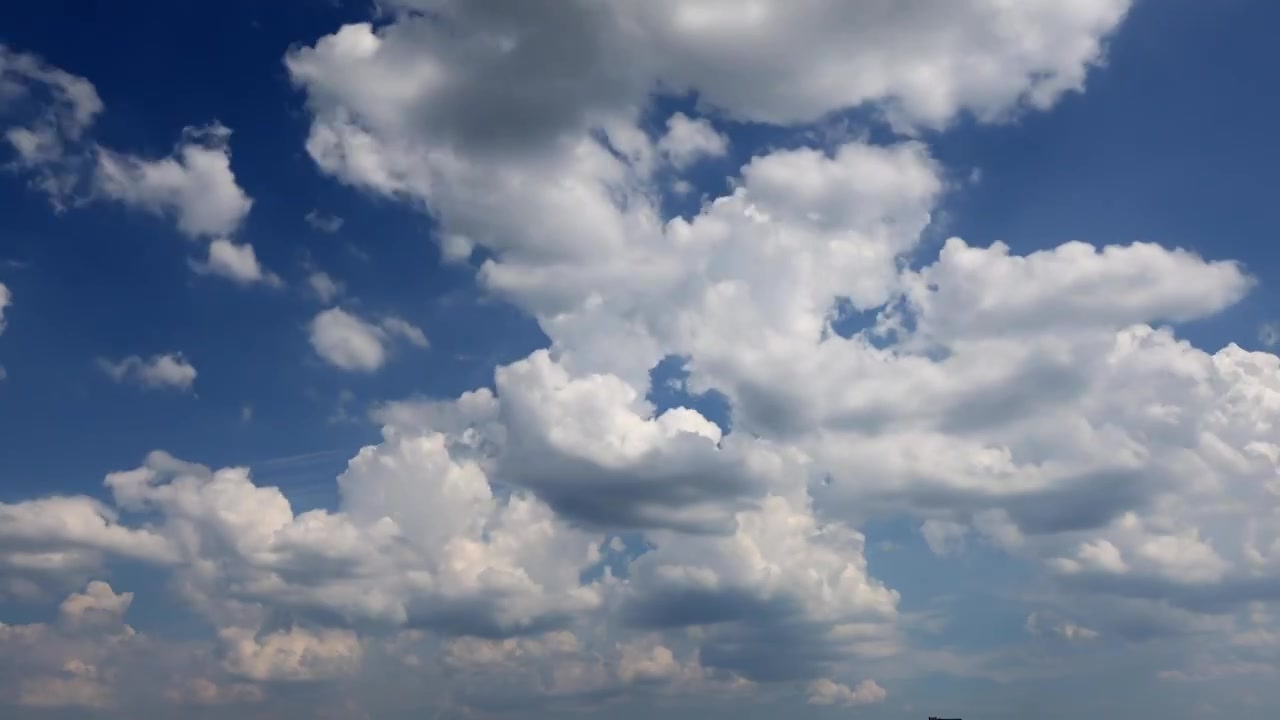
(53, 112)
(562, 536)
(73, 661)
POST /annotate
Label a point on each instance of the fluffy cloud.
(582, 61)
(687, 140)
(98, 605)
(195, 185)
(168, 370)
(66, 537)
(45, 112)
(326, 289)
(352, 343)
(74, 662)
(237, 263)
(562, 536)
(295, 654)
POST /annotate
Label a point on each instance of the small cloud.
(170, 370)
(324, 286)
(406, 330)
(688, 140)
(246, 413)
(6, 299)
(1068, 631)
(237, 263)
(944, 537)
(350, 342)
(340, 413)
(324, 223)
(829, 692)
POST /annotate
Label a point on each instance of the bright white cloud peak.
(558, 536)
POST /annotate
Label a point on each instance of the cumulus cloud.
(194, 185)
(1011, 400)
(167, 370)
(74, 662)
(237, 263)
(98, 605)
(562, 535)
(687, 140)
(349, 342)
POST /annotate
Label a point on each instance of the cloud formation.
(349, 342)
(167, 370)
(561, 535)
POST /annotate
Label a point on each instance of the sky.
(754, 359)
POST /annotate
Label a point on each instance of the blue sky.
(1029, 478)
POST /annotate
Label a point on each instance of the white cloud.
(348, 342)
(403, 328)
(295, 654)
(98, 605)
(688, 140)
(237, 263)
(995, 397)
(74, 103)
(322, 222)
(194, 185)
(168, 370)
(6, 299)
(62, 539)
(351, 343)
(324, 286)
(824, 691)
(1033, 403)
(51, 110)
